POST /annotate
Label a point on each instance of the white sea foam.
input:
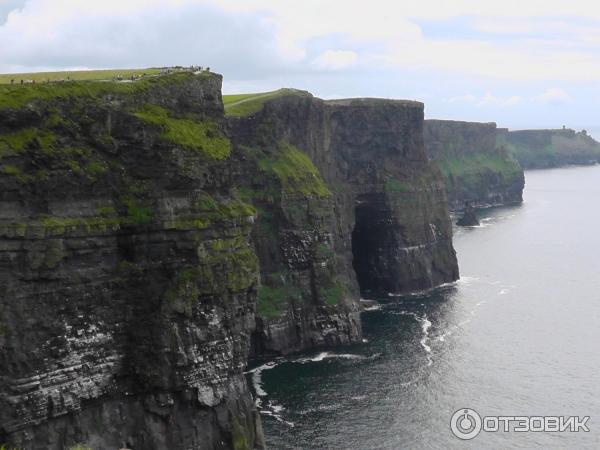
(405, 313)
(321, 408)
(373, 308)
(425, 326)
(328, 355)
(467, 280)
(275, 410)
(257, 381)
(450, 332)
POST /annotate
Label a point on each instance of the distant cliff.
(538, 149)
(474, 167)
(149, 244)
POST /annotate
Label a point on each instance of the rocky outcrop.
(539, 149)
(128, 279)
(148, 245)
(476, 170)
(364, 213)
(469, 217)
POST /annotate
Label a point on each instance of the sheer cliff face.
(475, 168)
(128, 279)
(140, 233)
(368, 216)
(538, 149)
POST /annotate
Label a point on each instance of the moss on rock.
(294, 170)
(203, 137)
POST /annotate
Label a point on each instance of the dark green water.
(519, 334)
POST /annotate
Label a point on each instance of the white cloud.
(50, 35)
(488, 99)
(108, 32)
(551, 96)
(554, 96)
(335, 59)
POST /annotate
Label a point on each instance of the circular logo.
(465, 424)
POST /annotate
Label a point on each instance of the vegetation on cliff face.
(468, 166)
(128, 218)
(273, 301)
(294, 170)
(334, 294)
(290, 196)
(475, 168)
(242, 105)
(393, 186)
(201, 136)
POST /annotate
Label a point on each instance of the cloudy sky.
(521, 63)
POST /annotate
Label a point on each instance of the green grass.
(295, 171)
(242, 105)
(394, 186)
(334, 294)
(95, 168)
(203, 137)
(240, 438)
(472, 164)
(79, 447)
(273, 301)
(18, 96)
(76, 75)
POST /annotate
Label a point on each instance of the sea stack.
(469, 218)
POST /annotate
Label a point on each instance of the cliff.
(149, 244)
(538, 149)
(476, 170)
(364, 213)
(128, 282)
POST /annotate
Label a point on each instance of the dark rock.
(128, 278)
(380, 226)
(469, 217)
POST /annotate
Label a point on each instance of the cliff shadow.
(373, 240)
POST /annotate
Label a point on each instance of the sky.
(522, 64)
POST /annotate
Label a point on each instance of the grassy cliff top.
(242, 105)
(16, 96)
(77, 75)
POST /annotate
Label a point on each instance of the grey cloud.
(7, 6)
(241, 45)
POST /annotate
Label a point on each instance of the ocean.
(518, 335)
